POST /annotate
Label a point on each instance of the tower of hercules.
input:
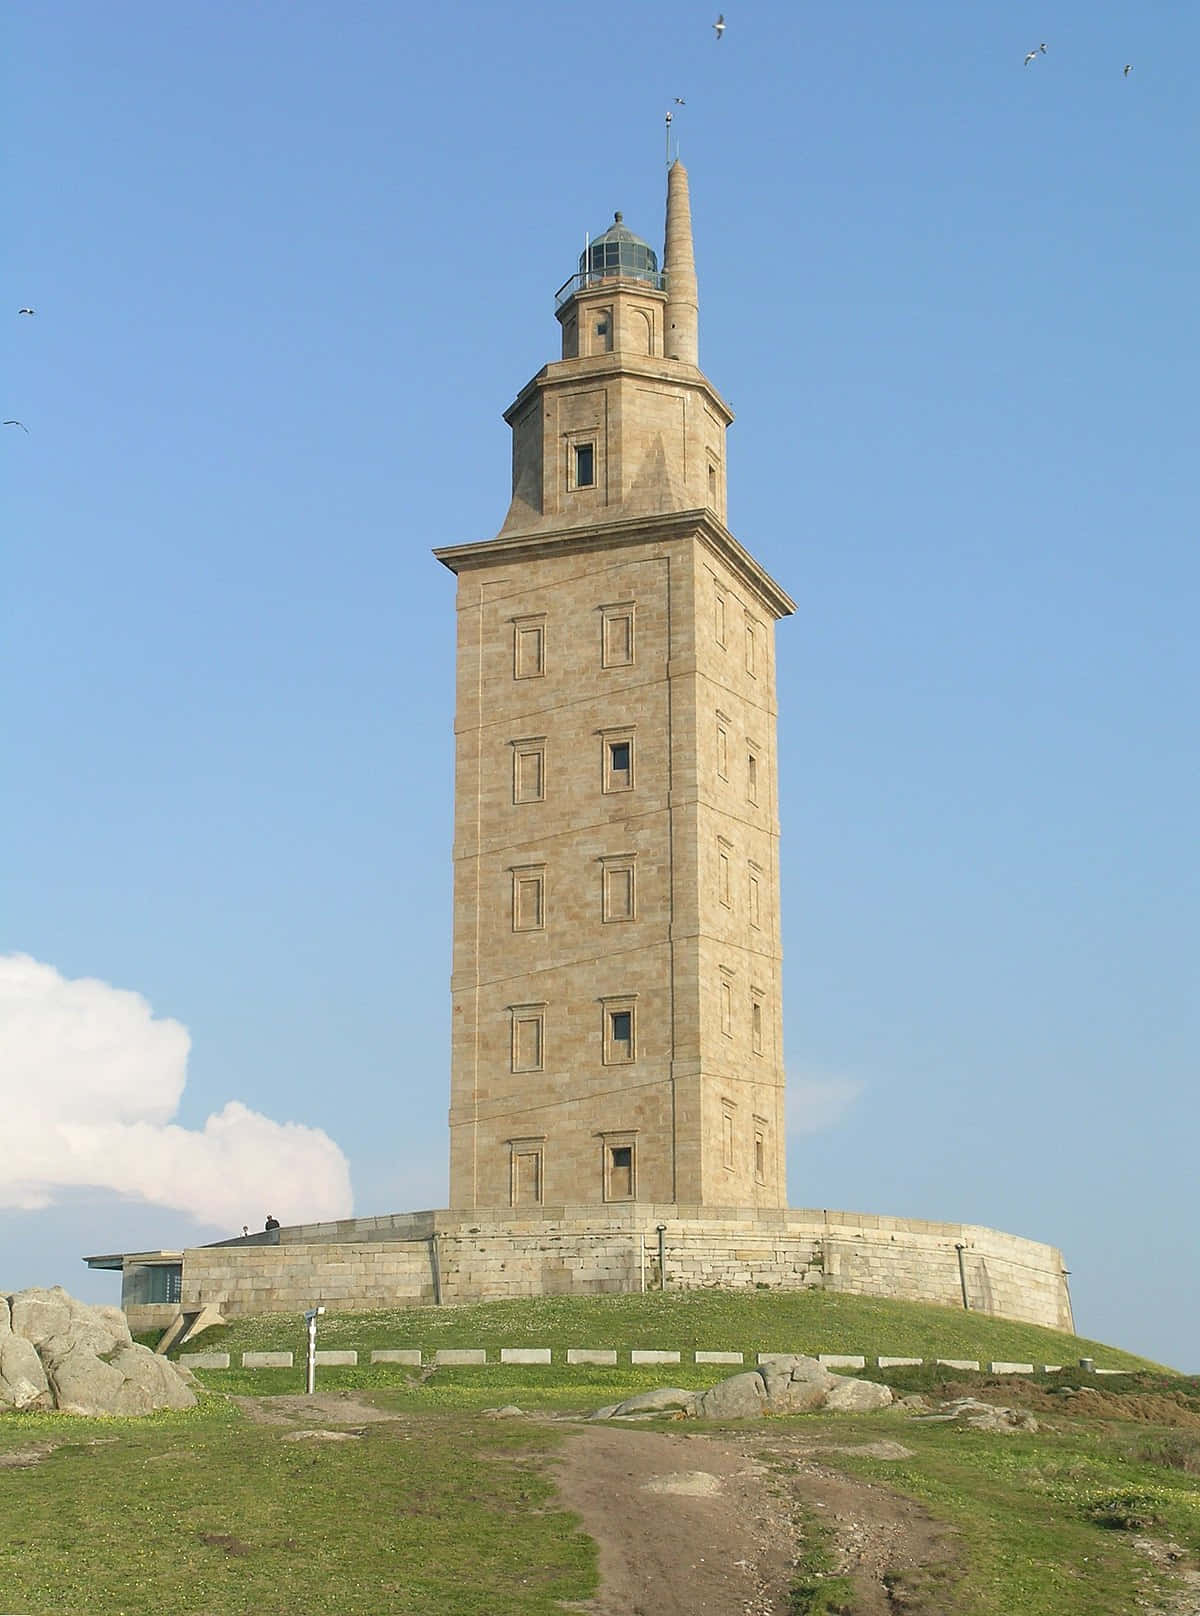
(617, 1028)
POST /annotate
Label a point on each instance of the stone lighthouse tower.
(616, 976)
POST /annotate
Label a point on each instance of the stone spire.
(679, 265)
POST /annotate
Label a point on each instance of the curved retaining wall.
(415, 1259)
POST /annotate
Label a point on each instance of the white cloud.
(89, 1081)
(816, 1104)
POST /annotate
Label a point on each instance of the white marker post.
(310, 1374)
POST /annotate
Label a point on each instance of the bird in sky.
(1128, 70)
(1042, 47)
(1032, 56)
(26, 311)
(719, 26)
(680, 102)
(670, 115)
(21, 424)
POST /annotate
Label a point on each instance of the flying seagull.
(26, 311)
(719, 26)
(1032, 56)
(680, 102)
(1128, 70)
(1042, 47)
(21, 424)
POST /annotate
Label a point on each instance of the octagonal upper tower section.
(625, 424)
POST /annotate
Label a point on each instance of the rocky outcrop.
(785, 1385)
(980, 1416)
(57, 1352)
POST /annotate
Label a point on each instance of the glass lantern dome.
(618, 252)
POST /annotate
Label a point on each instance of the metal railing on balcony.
(594, 277)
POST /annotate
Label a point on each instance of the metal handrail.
(591, 277)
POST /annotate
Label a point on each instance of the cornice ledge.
(700, 524)
(563, 374)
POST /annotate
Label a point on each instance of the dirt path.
(337, 1408)
(692, 1525)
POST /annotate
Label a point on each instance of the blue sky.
(290, 264)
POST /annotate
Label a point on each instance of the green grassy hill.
(1094, 1513)
(747, 1322)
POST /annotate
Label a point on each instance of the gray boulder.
(851, 1396)
(663, 1400)
(795, 1385)
(741, 1397)
(39, 1314)
(57, 1352)
(150, 1382)
(788, 1385)
(23, 1382)
(114, 1319)
(82, 1383)
(980, 1416)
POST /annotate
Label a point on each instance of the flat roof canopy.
(118, 1259)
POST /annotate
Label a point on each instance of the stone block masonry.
(449, 1257)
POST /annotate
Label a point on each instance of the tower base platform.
(416, 1259)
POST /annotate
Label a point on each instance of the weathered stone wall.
(244, 1281)
(577, 1250)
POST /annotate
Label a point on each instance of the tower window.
(755, 900)
(756, 1020)
(722, 746)
(528, 1028)
(527, 1162)
(529, 770)
(760, 1155)
(618, 898)
(620, 1163)
(529, 648)
(616, 643)
(727, 1133)
(527, 1178)
(618, 761)
(529, 898)
(620, 1046)
(751, 777)
(585, 465)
